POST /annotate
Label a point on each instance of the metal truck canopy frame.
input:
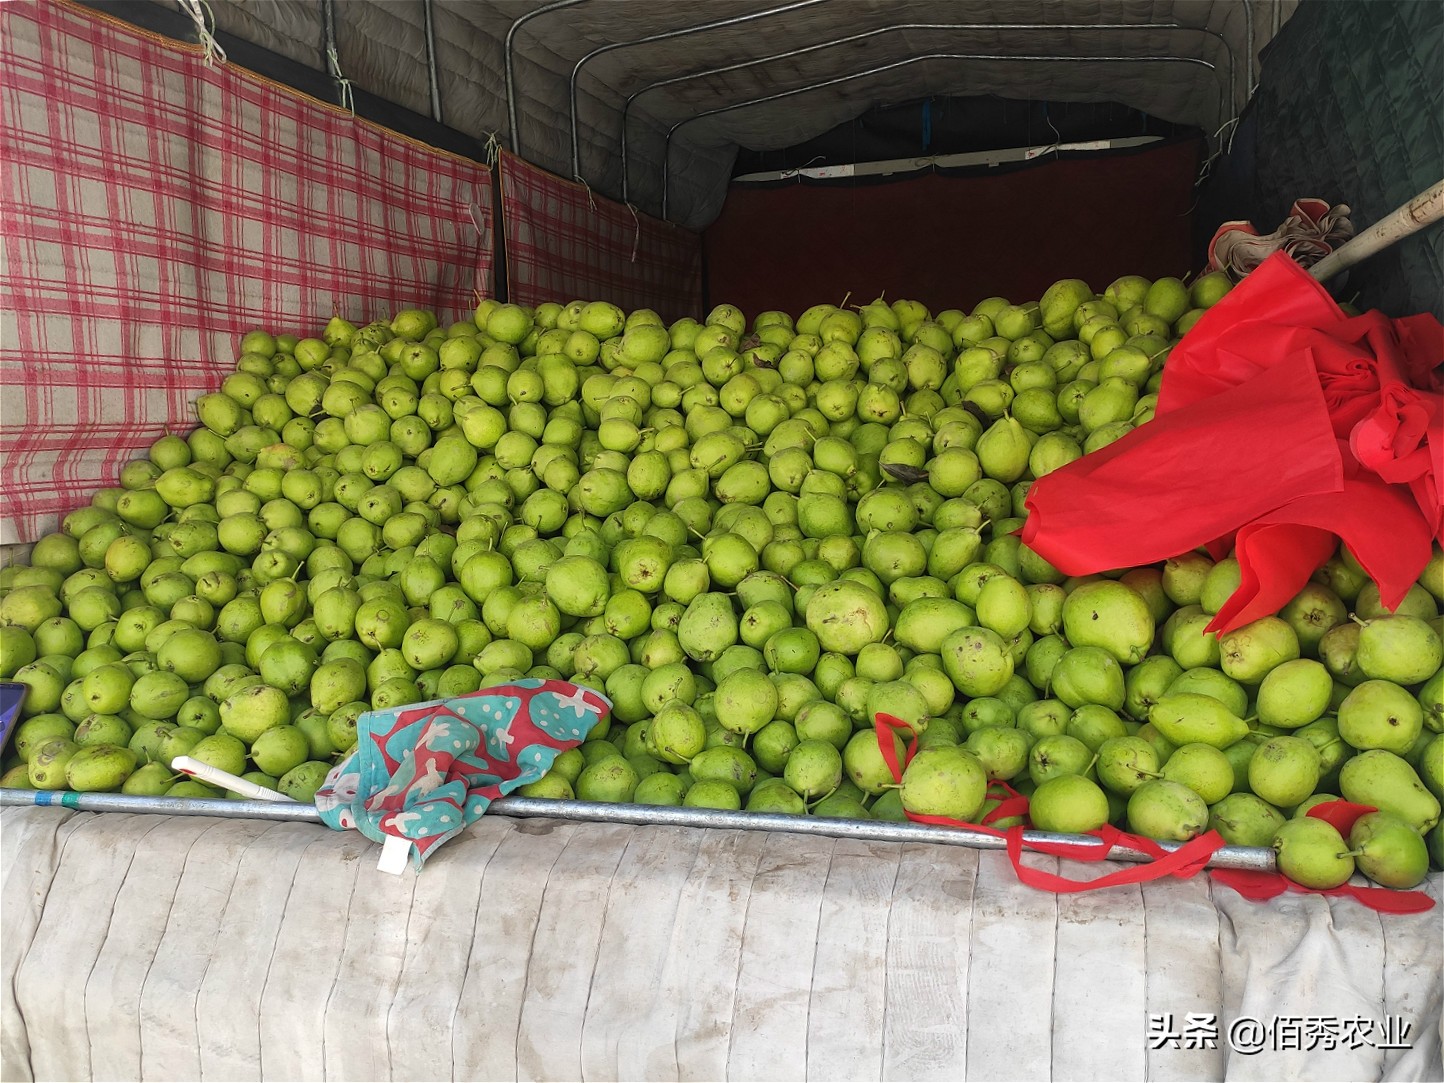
(590, 89)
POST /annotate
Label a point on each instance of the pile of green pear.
(752, 539)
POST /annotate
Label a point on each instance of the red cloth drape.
(1282, 426)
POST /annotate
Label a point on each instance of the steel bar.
(1248, 50)
(510, 62)
(777, 96)
(877, 32)
(665, 35)
(887, 166)
(1423, 210)
(329, 49)
(163, 806)
(1229, 857)
(433, 79)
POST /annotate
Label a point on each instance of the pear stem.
(823, 798)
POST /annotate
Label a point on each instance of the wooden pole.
(1423, 210)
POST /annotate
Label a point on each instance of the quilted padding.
(1350, 108)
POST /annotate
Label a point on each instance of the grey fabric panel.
(469, 41)
(382, 49)
(186, 948)
(292, 28)
(1351, 109)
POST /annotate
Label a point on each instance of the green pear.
(1057, 755)
(1323, 734)
(1294, 693)
(1311, 613)
(1002, 750)
(1431, 765)
(1249, 653)
(1388, 783)
(1244, 819)
(1088, 675)
(1417, 602)
(1405, 650)
(1219, 584)
(1126, 763)
(708, 627)
(1112, 616)
(1183, 577)
(1203, 769)
(1432, 577)
(1284, 770)
(1003, 450)
(1338, 650)
(945, 781)
(1380, 714)
(1431, 702)
(1188, 718)
(1340, 577)
(1147, 682)
(1068, 804)
(1312, 853)
(1058, 304)
(1043, 717)
(1239, 755)
(1162, 746)
(1109, 403)
(1388, 850)
(1303, 807)
(1093, 724)
(975, 658)
(1186, 639)
(1162, 809)
(1206, 681)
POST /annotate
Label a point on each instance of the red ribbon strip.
(1185, 861)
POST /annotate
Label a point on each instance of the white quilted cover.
(150, 947)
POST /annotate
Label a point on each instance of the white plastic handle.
(216, 777)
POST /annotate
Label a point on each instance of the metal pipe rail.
(330, 58)
(866, 35)
(433, 81)
(1229, 857)
(667, 149)
(665, 35)
(510, 62)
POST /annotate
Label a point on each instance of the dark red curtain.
(950, 241)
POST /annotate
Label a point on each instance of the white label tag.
(394, 853)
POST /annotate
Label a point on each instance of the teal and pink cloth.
(426, 771)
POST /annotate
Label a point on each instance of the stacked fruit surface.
(751, 535)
